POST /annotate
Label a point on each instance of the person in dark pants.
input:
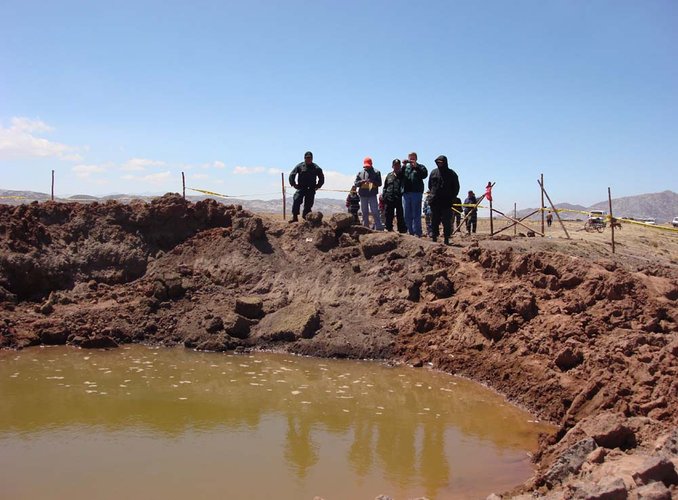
(456, 215)
(392, 195)
(549, 219)
(472, 219)
(443, 186)
(306, 178)
(353, 204)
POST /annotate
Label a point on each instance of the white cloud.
(157, 178)
(140, 164)
(20, 140)
(199, 176)
(274, 171)
(85, 171)
(218, 164)
(248, 170)
(337, 181)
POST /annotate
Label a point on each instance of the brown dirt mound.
(590, 344)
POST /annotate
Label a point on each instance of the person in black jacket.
(443, 185)
(368, 183)
(471, 213)
(392, 194)
(306, 178)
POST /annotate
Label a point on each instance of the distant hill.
(327, 206)
(661, 206)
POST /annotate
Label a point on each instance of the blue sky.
(123, 96)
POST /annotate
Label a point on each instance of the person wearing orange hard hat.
(368, 183)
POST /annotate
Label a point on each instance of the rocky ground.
(582, 337)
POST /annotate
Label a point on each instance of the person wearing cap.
(306, 178)
(393, 197)
(443, 186)
(368, 183)
(414, 174)
(470, 212)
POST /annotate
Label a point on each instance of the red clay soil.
(590, 344)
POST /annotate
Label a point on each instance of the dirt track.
(584, 338)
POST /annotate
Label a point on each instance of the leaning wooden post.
(52, 185)
(554, 210)
(515, 216)
(489, 186)
(541, 183)
(282, 178)
(183, 184)
(609, 199)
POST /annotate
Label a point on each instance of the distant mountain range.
(661, 206)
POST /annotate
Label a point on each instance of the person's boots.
(295, 218)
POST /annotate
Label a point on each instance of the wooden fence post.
(541, 183)
(183, 184)
(609, 199)
(284, 200)
(52, 185)
(515, 216)
(543, 192)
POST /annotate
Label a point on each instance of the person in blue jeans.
(413, 191)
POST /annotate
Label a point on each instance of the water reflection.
(414, 431)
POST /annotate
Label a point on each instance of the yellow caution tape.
(608, 219)
(13, 197)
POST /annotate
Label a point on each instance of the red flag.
(488, 191)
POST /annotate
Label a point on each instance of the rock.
(236, 326)
(568, 359)
(656, 469)
(250, 307)
(377, 243)
(98, 342)
(493, 496)
(610, 431)
(383, 497)
(290, 323)
(441, 288)
(414, 289)
(214, 325)
(168, 286)
(570, 461)
(53, 336)
(653, 491)
(47, 308)
(341, 222)
(606, 489)
(255, 229)
(315, 219)
(325, 239)
(345, 240)
(667, 445)
(597, 456)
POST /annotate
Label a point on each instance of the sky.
(121, 97)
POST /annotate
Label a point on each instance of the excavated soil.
(581, 337)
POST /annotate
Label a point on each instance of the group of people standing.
(402, 194)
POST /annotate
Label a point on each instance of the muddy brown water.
(172, 423)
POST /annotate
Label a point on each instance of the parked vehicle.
(674, 222)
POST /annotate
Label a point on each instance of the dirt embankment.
(589, 343)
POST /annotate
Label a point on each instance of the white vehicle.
(648, 220)
(674, 222)
(597, 215)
